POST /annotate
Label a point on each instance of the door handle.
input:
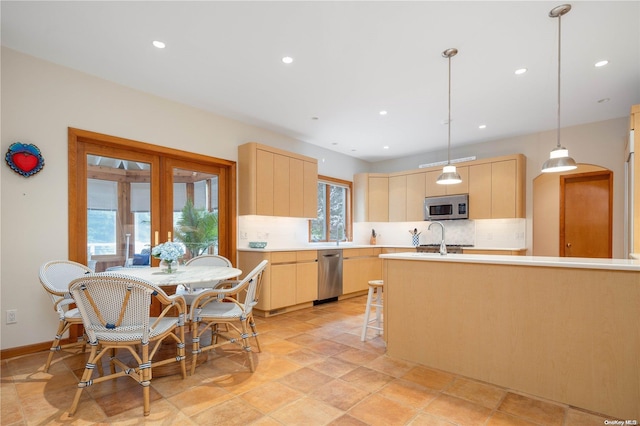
(568, 245)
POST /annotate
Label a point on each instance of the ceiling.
(351, 61)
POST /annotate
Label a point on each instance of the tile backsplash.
(286, 232)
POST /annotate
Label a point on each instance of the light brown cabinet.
(434, 189)
(496, 190)
(495, 186)
(359, 266)
(370, 197)
(290, 278)
(274, 182)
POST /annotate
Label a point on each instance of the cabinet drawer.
(307, 255)
(283, 257)
(358, 252)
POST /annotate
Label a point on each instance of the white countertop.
(321, 246)
(560, 262)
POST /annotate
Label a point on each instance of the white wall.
(40, 100)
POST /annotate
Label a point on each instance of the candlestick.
(156, 239)
(169, 236)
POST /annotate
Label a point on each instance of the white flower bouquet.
(169, 251)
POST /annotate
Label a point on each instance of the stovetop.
(448, 245)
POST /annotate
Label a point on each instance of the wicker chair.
(204, 260)
(115, 313)
(227, 306)
(55, 277)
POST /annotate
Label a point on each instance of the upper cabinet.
(371, 197)
(273, 182)
(495, 186)
(434, 189)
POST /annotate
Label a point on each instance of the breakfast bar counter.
(564, 329)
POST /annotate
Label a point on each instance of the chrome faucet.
(443, 246)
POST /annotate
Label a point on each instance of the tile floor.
(313, 370)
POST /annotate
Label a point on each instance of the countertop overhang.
(558, 262)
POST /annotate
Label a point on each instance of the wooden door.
(586, 208)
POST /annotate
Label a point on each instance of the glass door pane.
(196, 211)
(118, 212)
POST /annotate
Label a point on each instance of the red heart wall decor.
(24, 159)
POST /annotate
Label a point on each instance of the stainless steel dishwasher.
(329, 275)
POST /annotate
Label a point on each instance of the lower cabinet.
(291, 277)
(359, 266)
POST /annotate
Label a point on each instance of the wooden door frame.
(77, 138)
(585, 176)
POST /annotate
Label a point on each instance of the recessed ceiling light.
(159, 44)
(482, 126)
(383, 112)
(520, 71)
(287, 59)
(601, 63)
(334, 143)
(603, 100)
(385, 147)
(315, 118)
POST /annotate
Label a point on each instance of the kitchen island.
(564, 329)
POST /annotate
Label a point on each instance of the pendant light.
(559, 160)
(449, 174)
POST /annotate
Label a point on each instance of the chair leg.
(195, 346)
(254, 331)
(367, 311)
(245, 344)
(145, 375)
(378, 309)
(85, 380)
(55, 345)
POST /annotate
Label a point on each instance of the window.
(334, 211)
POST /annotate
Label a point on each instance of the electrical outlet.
(12, 316)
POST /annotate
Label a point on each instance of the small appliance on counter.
(446, 207)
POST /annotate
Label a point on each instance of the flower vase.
(169, 266)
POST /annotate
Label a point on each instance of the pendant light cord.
(559, 68)
(449, 119)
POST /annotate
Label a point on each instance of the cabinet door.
(397, 199)
(416, 191)
(296, 187)
(358, 271)
(462, 187)
(432, 188)
(378, 199)
(310, 189)
(283, 285)
(307, 282)
(503, 189)
(264, 183)
(281, 185)
(480, 191)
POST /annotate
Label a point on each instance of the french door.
(126, 197)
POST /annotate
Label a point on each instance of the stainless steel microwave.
(446, 207)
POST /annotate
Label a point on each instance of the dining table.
(188, 276)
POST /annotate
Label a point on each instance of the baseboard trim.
(28, 349)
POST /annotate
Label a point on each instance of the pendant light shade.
(559, 160)
(449, 175)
